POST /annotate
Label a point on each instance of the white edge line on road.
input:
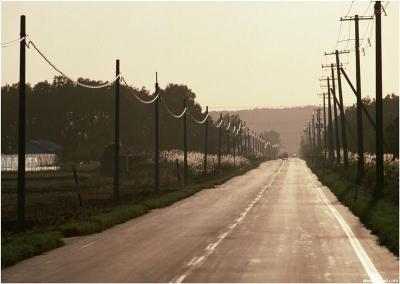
(88, 244)
(368, 265)
(196, 261)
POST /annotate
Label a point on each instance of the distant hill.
(287, 121)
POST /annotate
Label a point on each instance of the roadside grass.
(19, 247)
(381, 216)
(46, 232)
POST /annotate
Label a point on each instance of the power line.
(340, 27)
(366, 10)
(351, 5)
(349, 35)
(219, 124)
(169, 110)
(229, 125)
(137, 97)
(13, 42)
(197, 121)
(69, 78)
(338, 38)
(386, 5)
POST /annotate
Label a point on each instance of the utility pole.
(245, 141)
(331, 154)
(241, 138)
(205, 142)
(252, 142)
(336, 116)
(219, 141)
(228, 150)
(156, 144)
(360, 160)
(342, 114)
(21, 131)
(185, 173)
(330, 126)
(234, 143)
(325, 134)
(313, 134)
(379, 108)
(116, 135)
(341, 107)
(333, 91)
(310, 138)
(319, 130)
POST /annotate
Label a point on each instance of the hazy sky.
(230, 54)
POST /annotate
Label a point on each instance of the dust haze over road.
(276, 223)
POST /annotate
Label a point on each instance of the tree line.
(390, 125)
(82, 120)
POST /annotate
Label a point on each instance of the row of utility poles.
(244, 141)
(329, 129)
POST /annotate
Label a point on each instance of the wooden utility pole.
(379, 107)
(324, 128)
(310, 138)
(360, 171)
(342, 114)
(336, 125)
(21, 131)
(156, 144)
(245, 141)
(185, 167)
(319, 130)
(219, 141)
(228, 146)
(313, 134)
(336, 116)
(205, 142)
(341, 107)
(330, 126)
(234, 144)
(360, 144)
(248, 142)
(116, 135)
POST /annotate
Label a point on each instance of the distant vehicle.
(285, 155)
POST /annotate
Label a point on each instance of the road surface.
(276, 223)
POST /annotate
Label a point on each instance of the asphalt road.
(276, 223)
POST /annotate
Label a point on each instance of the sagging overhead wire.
(170, 112)
(229, 125)
(138, 98)
(13, 42)
(69, 78)
(219, 124)
(200, 122)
